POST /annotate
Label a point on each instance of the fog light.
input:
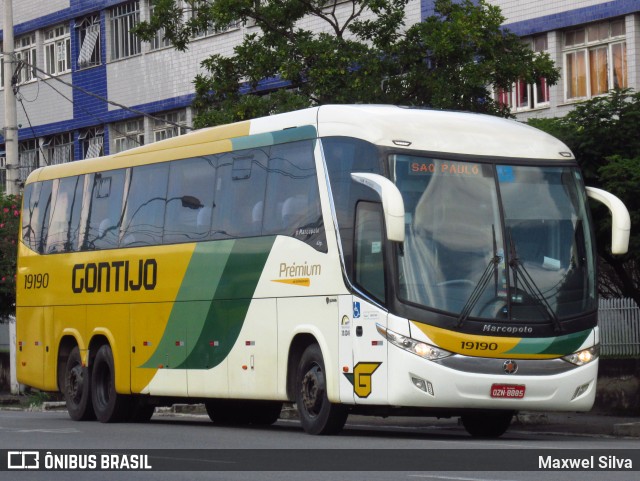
(580, 391)
(423, 385)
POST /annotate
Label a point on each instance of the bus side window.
(65, 215)
(29, 224)
(344, 155)
(369, 255)
(143, 220)
(292, 198)
(239, 194)
(105, 210)
(35, 214)
(189, 203)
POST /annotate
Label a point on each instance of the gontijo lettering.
(117, 276)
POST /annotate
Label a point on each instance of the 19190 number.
(36, 281)
(479, 346)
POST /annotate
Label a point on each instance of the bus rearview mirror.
(392, 203)
(620, 220)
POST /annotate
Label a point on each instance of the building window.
(595, 59)
(123, 42)
(92, 142)
(196, 7)
(27, 158)
(89, 41)
(25, 50)
(59, 148)
(158, 41)
(57, 50)
(127, 135)
(163, 130)
(524, 96)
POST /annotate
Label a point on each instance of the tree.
(603, 134)
(362, 53)
(9, 225)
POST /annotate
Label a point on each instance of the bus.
(364, 259)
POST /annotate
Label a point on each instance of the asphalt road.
(368, 449)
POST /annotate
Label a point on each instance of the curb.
(627, 430)
(182, 409)
(53, 406)
(563, 423)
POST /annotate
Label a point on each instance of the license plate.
(507, 391)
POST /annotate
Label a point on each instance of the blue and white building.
(595, 43)
(88, 44)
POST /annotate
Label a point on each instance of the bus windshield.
(492, 241)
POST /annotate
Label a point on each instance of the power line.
(101, 120)
(16, 86)
(44, 157)
(103, 99)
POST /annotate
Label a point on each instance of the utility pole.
(11, 153)
(10, 115)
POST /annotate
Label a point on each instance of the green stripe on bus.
(272, 138)
(560, 345)
(231, 303)
(212, 303)
(567, 344)
(192, 303)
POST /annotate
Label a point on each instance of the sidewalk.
(570, 423)
(589, 423)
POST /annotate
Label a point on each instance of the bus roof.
(441, 131)
(392, 126)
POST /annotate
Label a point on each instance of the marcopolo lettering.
(116, 275)
(507, 329)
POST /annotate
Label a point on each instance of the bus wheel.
(76, 388)
(317, 414)
(108, 404)
(491, 424)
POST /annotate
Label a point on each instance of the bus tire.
(76, 388)
(490, 424)
(108, 405)
(317, 414)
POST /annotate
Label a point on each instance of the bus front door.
(368, 373)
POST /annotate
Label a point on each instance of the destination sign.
(444, 167)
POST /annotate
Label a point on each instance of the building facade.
(77, 53)
(595, 43)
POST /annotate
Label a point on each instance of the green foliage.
(599, 128)
(9, 225)
(603, 134)
(360, 52)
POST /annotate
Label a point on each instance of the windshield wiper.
(530, 285)
(490, 271)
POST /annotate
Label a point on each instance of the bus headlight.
(422, 349)
(580, 358)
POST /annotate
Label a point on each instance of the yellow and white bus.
(350, 259)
